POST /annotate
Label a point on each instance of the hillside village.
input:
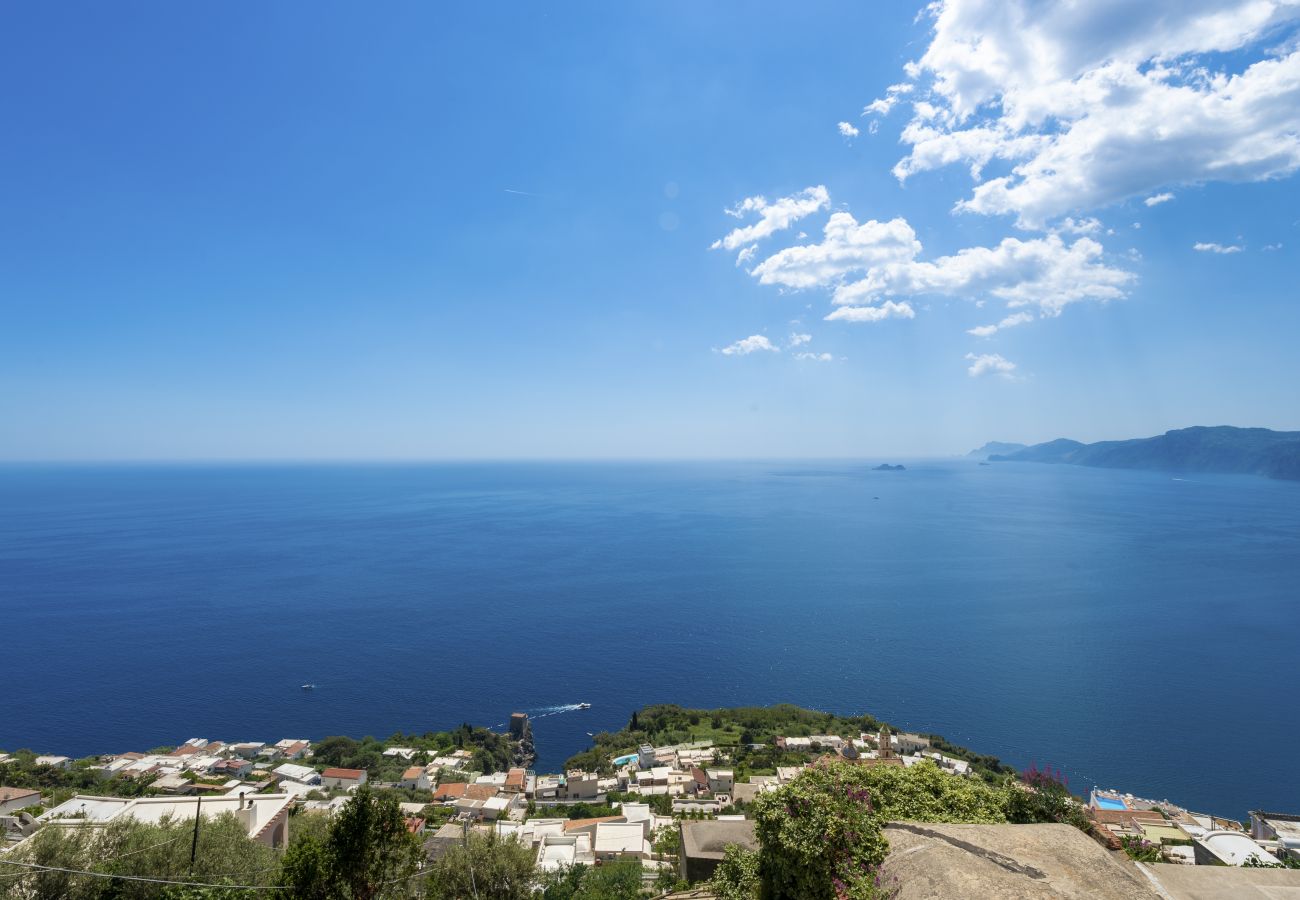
(672, 808)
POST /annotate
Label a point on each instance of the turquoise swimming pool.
(1107, 803)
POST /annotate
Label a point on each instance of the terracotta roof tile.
(342, 773)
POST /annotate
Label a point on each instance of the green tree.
(667, 843)
(620, 880)
(370, 847)
(366, 854)
(926, 793)
(737, 876)
(821, 837)
(334, 750)
(224, 855)
(562, 883)
(487, 867)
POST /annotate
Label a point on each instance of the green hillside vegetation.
(492, 751)
(60, 784)
(747, 734)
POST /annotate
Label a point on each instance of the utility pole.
(194, 845)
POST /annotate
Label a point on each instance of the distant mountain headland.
(1221, 449)
(886, 467)
(999, 447)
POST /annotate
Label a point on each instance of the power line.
(145, 878)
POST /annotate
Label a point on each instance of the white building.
(13, 799)
(580, 785)
(58, 762)
(294, 772)
(265, 817)
(416, 777)
(721, 781)
(343, 778)
(621, 840)
(564, 851)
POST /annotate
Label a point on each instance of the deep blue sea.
(1138, 630)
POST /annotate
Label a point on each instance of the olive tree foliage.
(224, 855)
(667, 844)
(619, 880)
(737, 876)
(365, 854)
(486, 866)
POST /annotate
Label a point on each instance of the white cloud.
(989, 364)
(846, 247)
(1212, 247)
(815, 357)
(887, 310)
(773, 217)
(847, 130)
(1271, 247)
(746, 254)
(1010, 321)
(751, 344)
(797, 340)
(1043, 272)
(883, 105)
(1096, 102)
(866, 263)
(1080, 226)
(1157, 199)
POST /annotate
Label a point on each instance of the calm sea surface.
(1137, 630)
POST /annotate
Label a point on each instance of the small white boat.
(309, 687)
(584, 706)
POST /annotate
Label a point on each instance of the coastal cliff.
(1219, 449)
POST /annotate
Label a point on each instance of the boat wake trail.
(542, 712)
(545, 711)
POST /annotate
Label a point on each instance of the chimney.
(245, 814)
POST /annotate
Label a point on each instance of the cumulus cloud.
(846, 247)
(1157, 199)
(887, 310)
(1093, 103)
(1010, 321)
(814, 357)
(798, 340)
(773, 217)
(865, 263)
(847, 130)
(989, 364)
(751, 344)
(1044, 272)
(883, 105)
(1212, 247)
(1080, 226)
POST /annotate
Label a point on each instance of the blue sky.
(328, 231)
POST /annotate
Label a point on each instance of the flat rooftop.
(1224, 882)
(1007, 862)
